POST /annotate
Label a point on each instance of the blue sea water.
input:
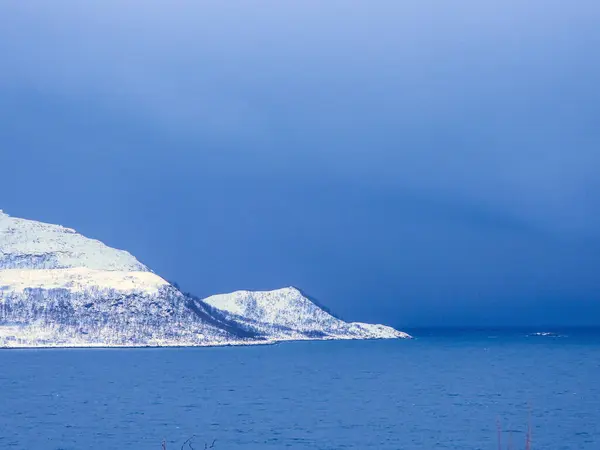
(444, 390)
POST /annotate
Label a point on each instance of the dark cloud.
(390, 157)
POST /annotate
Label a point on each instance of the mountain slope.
(87, 307)
(286, 314)
(61, 289)
(27, 244)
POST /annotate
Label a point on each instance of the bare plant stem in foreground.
(188, 441)
(510, 444)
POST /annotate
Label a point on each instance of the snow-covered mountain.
(59, 288)
(287, 314)
(89, 307)
(27, 244)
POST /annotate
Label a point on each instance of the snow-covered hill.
(61, 289)
(27, 244)
(88, 307)
(286, 314)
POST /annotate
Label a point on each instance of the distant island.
(59, 288)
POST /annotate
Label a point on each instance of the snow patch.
(80, 279)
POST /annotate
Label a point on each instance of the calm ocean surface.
(444, 390)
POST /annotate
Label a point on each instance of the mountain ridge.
(59, 288)
(28, 243)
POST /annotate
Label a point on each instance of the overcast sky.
(410, 162)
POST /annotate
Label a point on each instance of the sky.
(415, 163)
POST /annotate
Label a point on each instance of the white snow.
(29, 244)
(286, 314)
(85, 307)
(61, 289)
(80, 279)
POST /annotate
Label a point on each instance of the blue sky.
(416, 163)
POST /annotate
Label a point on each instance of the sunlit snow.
(61, 289)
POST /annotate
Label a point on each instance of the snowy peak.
(28, 244)
(287, 314)
(259, 304)
(59, 288)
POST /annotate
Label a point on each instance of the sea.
(445, 389)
